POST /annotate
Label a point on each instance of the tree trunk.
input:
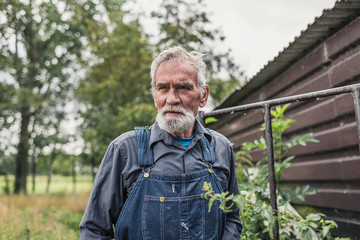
(21, 159)
(74, 179)
(7, 184)
(22, 153)
(33, 172)
(51, 170)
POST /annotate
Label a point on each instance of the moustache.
(173, 108)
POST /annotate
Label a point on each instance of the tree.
(115, 92)
(39, 43)
(6, 119)
(219, 88)
(186, 23)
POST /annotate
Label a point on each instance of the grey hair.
(180, 54)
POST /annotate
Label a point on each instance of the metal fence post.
(356, 96)
(272, 178)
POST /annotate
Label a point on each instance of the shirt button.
(202, 196)
(162, 199)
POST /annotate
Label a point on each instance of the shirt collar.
(158, 134)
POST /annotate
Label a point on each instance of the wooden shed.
(324, 56)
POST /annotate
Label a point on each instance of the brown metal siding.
(333, 164)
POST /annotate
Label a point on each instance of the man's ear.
(204, 98)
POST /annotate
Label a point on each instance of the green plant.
(254, 206)
(209, 120)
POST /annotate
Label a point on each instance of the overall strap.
(207, 150)
(144, 153)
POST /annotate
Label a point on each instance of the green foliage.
(68, 218)
(41, 43)
(210, 120)
(221, 88)
(115, 91)
(255, 210)
(280, 147)
(139, 115)
(95, 50)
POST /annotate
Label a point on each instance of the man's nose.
(173, 97)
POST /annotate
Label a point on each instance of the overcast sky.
(257, 30)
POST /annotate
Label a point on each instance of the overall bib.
(166, 207)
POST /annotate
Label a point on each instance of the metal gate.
(266, 105)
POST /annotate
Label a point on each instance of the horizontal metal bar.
(284, 100)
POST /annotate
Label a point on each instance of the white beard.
(175, 124)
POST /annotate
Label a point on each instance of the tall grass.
(41, 216)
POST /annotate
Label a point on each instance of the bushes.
(253, 202)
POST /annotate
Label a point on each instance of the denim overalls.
(162, 207)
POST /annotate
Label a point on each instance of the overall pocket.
(167, 218)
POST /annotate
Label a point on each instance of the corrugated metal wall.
(332, 165)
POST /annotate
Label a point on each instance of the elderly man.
(149, 184)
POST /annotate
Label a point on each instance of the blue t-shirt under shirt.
(185, 141)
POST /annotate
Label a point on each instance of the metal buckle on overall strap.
(209, 166)
(210, 170)
(147, 173)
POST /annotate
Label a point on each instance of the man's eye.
(162, 88)
(185, 88)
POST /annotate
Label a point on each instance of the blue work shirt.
(119, 170)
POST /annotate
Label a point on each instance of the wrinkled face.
(176, 94)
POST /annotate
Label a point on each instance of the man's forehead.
(176, 80)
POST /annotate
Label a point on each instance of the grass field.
(43, 216)
(58, 185)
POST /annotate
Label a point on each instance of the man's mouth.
(172, 113)
(173, 110)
